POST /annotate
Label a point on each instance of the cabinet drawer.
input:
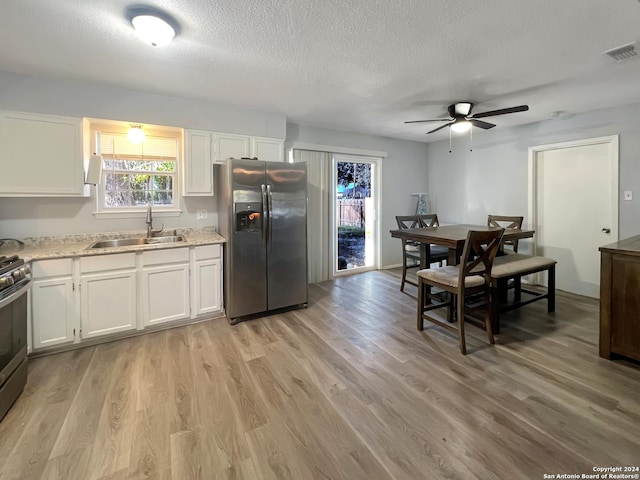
(52, 268)
(207, 252)
(172, 255)
(101, 263)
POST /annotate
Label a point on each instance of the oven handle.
(24, 288)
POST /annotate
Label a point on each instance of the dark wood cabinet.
(620, 299)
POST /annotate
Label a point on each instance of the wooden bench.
(514, 267)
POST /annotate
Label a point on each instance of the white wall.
(27, 217)
(493, 178)
(404, 171)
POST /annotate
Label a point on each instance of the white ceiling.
(356, 65)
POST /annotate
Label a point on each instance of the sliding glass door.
(354, 213)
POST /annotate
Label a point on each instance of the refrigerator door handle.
(265, 223)
(270, 209)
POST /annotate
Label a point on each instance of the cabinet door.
(107, 303)
(267, 149)
(53, 314)
(41, 155)
(625, 306)
(207, 281)
(165, 293)
(228, 145)
(198, 171)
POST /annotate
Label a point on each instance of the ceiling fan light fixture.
(153, 30)
(463, 108)
(461, 127)
(136, 134)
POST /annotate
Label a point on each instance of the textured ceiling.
(363, 66)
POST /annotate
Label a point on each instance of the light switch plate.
(628, 195)
(201, 214)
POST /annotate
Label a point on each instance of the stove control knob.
(6, 282)
(18, 275)
(26, 269)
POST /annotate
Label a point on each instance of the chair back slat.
(508, 222)
(480, 249)
(407, 221)
(428, 220)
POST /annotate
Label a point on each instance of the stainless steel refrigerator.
(262, 213)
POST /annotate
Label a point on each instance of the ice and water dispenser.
(248, 217)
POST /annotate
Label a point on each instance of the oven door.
(13, 328)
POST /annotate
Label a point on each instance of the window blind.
(118, 145)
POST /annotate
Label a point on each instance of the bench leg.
(517, 288)
(551, 289)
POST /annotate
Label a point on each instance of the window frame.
(103, 211)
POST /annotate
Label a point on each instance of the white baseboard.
(388, 267)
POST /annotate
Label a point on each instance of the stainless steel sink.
(127, 242)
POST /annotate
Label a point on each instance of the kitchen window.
(136, 175)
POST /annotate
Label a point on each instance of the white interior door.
(575, 208)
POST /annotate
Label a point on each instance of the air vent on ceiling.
(623, 53)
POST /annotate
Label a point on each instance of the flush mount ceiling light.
(136, 134)
(153, 30)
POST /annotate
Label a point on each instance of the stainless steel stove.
(15, 282)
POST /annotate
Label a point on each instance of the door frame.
(614, 159)
(376, 184)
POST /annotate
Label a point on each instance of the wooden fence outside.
(350, 212)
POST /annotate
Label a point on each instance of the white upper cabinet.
(198, 169)
(204, 148)
(229, 145)
(268, 149)
(41, 155)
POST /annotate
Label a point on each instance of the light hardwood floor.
(346, 389)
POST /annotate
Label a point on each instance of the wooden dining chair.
(410, 250)
(508, 223)
(437, 253)
(470, 277)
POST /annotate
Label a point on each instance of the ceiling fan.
(461, 119)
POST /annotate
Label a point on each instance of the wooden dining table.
(450, 236)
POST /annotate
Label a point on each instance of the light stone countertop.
(41, 248)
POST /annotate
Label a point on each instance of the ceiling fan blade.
(481, 124)
(502, 111)
(432, 120)
(439, 128)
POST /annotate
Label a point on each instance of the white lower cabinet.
(165, 286)
(107, 294)
(53, 310)
(207, 280)
(94, 296)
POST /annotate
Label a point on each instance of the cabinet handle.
(606, 230)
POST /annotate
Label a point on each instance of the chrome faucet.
(150, 231)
